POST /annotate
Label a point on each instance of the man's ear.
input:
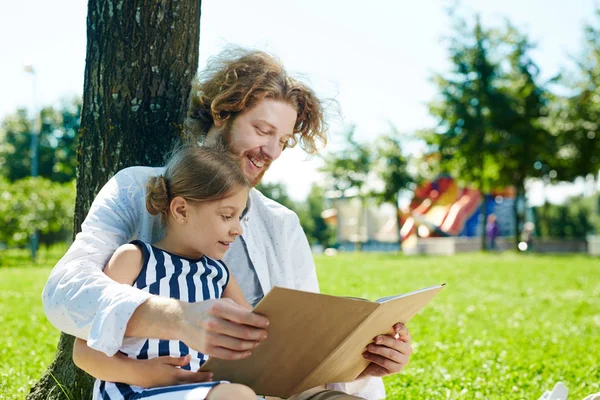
(179, 209)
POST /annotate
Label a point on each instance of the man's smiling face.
(258, 136)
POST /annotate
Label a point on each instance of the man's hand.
(167, 371)
(388, 353)
(221, 328)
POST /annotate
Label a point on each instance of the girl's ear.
(179, 209)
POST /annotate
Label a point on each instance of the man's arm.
(79, 298)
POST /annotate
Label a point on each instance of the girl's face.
(210, 228)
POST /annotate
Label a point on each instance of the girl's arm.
(155, 372)
(124, 267)
(234, 292)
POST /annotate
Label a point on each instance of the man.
(249, 104)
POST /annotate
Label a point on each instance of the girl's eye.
(261, 132)
(226, 217)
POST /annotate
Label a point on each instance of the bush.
(36, 204)
(572, 220)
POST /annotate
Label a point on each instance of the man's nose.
(272, 149)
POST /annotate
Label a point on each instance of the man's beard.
(223, 143)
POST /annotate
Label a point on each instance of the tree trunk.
(140, 60)
(483, 236)
(517, 217)
(398, 224)
(519, 191)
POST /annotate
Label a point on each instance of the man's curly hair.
(237, 79)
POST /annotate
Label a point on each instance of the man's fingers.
(232, 343)
(386, 363)
(219, 326)
(402, 331)
(226, 354)
(233, 312)
(393, 343)
(390, 353)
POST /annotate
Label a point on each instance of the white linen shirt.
(81, 300)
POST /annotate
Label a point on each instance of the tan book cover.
(314, 339)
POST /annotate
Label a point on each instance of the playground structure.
(441, 209)
(438, 209)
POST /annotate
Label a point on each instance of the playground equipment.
(441, 208)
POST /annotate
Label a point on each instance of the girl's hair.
(198, 174)
(237, 79)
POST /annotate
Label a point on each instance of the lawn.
(505, 327)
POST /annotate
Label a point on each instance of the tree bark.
(140, 60)
(519, 219)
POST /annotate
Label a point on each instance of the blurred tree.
(138, 76)
(348, 169)
(309, 212)
(57, 143)
(320, 232)
(35, 204)
(523, 142)
(577, 122)
(469, 107)
(572, 220)
(391, 166)
(278, 192)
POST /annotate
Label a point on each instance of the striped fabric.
(177, 277)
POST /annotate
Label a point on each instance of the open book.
(314, 339)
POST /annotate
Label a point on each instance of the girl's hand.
(167, 371)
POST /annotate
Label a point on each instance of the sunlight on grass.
(506, 326)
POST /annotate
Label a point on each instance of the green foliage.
(35, 204)
(309, 213)
(575, 120)
(573, 220)
(278, 192)
(349, 167)
(469, 106)
(523, 141)
(391, 166)
(317, 230)
(479, 338)
(57, 143)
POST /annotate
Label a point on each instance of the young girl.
(200, 197)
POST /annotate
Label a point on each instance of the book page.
(347, 362)
(388, 298)
(304, 329)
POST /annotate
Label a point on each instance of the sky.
(374, 58)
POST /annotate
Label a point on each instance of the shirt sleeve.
(79, 298)
(303, 265)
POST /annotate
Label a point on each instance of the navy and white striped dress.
(177, 277)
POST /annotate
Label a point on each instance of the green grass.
(505, 327)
